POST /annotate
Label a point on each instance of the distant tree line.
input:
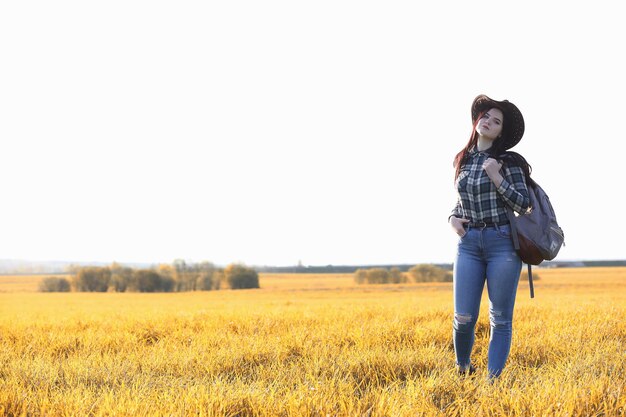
(337, 269)
(417, 273)
(179, 276)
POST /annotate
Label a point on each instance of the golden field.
(309, 345)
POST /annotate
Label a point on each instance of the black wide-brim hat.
(513, 128)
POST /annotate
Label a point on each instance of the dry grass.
(310, 345)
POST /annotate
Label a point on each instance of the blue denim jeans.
(485, 255)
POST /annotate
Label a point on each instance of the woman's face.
(490, 125)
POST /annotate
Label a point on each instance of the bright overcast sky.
(272, 132)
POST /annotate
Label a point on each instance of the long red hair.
(460, 157)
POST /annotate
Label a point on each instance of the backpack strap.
(511, 217)
(530, 281)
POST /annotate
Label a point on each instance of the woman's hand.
(457, 225)
(492, 168)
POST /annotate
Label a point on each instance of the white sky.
(272, 132)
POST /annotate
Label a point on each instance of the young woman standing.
(488, 178)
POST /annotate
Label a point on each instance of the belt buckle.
(481, 225)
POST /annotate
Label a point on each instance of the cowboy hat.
(513, 120)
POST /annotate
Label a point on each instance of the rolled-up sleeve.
(513, 189)
(456, 211)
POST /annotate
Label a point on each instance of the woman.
(488, 179)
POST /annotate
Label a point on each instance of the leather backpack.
(537, 236)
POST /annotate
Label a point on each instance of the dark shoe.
(466, 370)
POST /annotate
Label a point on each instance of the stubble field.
(309, 345)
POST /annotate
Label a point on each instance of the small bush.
(92, 279)
(209, 280)
(240, 277)
(121, 278)
(54, 284)
(379, 276)
(429, 273)
(360, 276)
(396, 276)
(203, 276)
(147, 280)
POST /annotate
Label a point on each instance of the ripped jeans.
(485, 254)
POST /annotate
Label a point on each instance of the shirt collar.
(475, 152)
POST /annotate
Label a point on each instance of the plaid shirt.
(480, 200)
